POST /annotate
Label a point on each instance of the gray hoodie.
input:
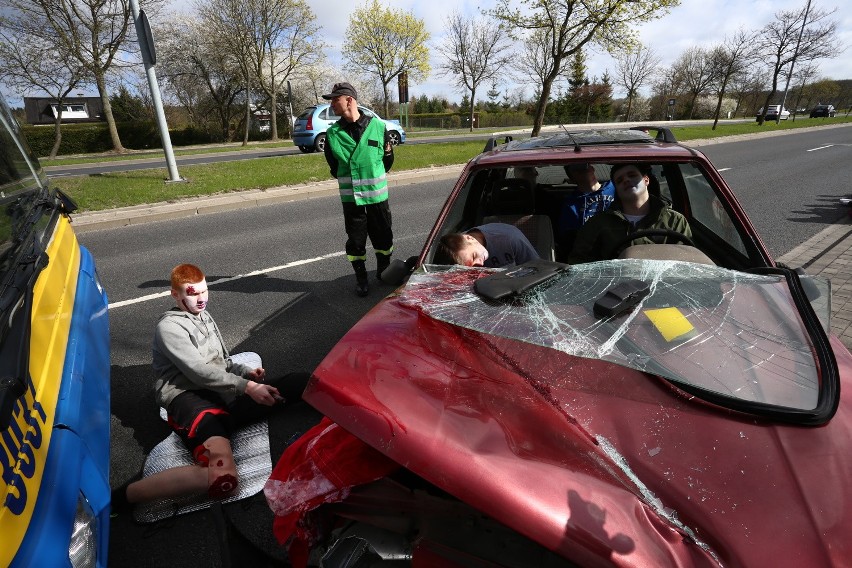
(189, 354)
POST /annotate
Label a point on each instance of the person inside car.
(634, 209)
(589, 198)
(493, 245)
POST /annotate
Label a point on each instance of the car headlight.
(83, 548)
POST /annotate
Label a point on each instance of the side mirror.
(398, 270)
(812, 291)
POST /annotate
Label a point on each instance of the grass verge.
(107, 191)
(121, 189)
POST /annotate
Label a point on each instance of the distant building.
(43, 110)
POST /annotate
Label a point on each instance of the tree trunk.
(113, 130)
(248, 117)
(274, 115)
(57, 132)
(470, 116)
(541, 105)
(387, 101)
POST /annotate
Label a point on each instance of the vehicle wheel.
(666, 233)
(319, 143)
(305, 149)
(394, 137)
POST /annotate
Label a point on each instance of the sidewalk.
(829, 254)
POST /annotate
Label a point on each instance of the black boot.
(382, 262)
(362, 287)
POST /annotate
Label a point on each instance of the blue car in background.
(310, 126)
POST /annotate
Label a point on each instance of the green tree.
(384, 42)
(129, 108)
(568, 25)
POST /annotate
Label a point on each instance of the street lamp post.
(792, 63)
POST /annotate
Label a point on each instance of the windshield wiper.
(16, 299)
(16, 309)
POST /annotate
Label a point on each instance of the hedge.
(93, 138)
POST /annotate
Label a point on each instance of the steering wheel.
(665, 233)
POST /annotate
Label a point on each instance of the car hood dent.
(603, 463)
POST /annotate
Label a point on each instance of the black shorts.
(198, 415)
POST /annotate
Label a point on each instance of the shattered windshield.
(735, 334)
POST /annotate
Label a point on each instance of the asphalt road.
(292, 315)
(296, 301)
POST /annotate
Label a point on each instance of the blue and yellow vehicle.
(54, 374)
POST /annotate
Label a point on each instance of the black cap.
(342, 90)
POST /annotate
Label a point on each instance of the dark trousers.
(362, 221)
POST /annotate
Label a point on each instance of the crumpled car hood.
(602, 463)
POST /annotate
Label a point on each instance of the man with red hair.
(207, 394)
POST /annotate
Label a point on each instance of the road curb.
(190, 207)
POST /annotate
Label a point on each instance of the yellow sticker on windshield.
(670, 322)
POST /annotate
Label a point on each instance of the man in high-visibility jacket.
(359, 154)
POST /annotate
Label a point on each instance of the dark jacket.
(599, 237)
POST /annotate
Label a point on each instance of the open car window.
(740, 340)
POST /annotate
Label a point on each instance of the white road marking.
(230, 278)
(722, 169)
(820, 148)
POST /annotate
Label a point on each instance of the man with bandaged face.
(207, 394)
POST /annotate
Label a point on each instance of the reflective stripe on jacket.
(361, 174)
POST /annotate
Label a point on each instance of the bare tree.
(696, 72)
(571, 24)
(806, 75)
(731, 58)
(634, 67)
(202, 75)
(535, 59)
(796, 35)
(92, 32)
(285, 37)
(474, 50)
(29, 59)
(231, 28)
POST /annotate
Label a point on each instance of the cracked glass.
(732, 333)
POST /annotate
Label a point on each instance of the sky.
(693, 23)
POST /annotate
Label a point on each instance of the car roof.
(587, 145)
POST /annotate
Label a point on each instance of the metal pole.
(792, 63)
(149, 58)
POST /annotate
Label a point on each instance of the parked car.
(772, 112)
(310, 126)
(681, 404)
(823, 111)
(54, 374)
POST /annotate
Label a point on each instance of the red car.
(679, 405)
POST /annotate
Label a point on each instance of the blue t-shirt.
(579, 207)
(506, 245)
